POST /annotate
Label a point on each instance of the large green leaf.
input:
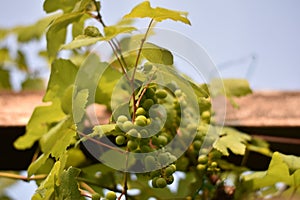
(68, 186)
(59, 138)
(54, 5)
(233, 87)
(233, 140)
(144, 9)
(156, 54)
(56, 33)
(63, 73)
(39, 123)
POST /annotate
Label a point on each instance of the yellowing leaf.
(113, 31)
(144, 9)
(233, 140)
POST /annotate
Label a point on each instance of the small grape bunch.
(163, 177)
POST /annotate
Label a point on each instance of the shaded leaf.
(144, 9)
(38, 124)
(156, 54)
(4, 80)
(68, 186)
(37, 164)
(31, 84)
(233, 140)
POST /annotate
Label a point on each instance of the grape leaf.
(80, 41)
(53, 5)
(34, 31)
(68, 186)
(56, 33)
(79, 104)
(59, 138)
(144, 9)
(31, 84)
(233, 140)
(232, 87)
(46, 189)
(293, 162)
(37, 164)
(41, 118)
(63, 73)
(4, 79)
(113, 31)
(156, 54)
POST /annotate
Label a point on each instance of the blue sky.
(257, 40)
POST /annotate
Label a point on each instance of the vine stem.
(23, 178)
(135, 68)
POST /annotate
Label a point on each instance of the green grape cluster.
(163, 177)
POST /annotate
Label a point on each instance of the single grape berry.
(153, 182)
(127, 126)
(169, 171)
(163, 158)
(120, 139)
(202, 159)
(161, 183)
(132, 145)
(111, 195)
(155, 173)
(161, 94)
(201, 167)
(122, 119)
(140, 120)
(197, 145)
(140, 111)
(162, 140)
(150, 163)
(147, 104)
(150, 93)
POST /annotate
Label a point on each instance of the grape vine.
(162, 133)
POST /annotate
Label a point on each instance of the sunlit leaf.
(56, 33)
(144, 9)
(79, 104)
(53, 5)
(80, 41)
(113, 31)
(233, 140)
(38, 124)
(37, 164)
(63, 73)
(156, 54)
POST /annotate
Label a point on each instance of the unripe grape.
(163, 158)
(155, 173)
(120, 139)
(140, 120)
(201, 167)
(170, 179)
(122, 118)
(178, 93)
(149, 93)
(173, 167)
(150, 163)
(169, 171)
(96, 196)
(162, 140)
(145, 148)
(127, 126)
(132, 145)
(132, 133)
(205, 115)
(161, 183)
(153, 182)
(111, 195)
(92, 31)
(202, 159)
(197, 144)
(214, 164)
(147, 104)
(161, 94)
(140, 111)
